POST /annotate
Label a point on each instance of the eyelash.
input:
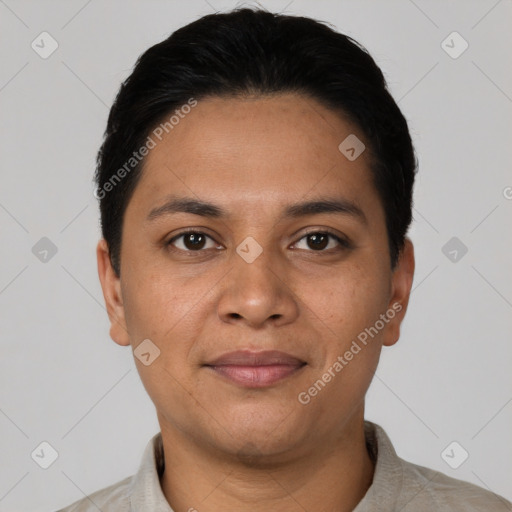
(344, 243)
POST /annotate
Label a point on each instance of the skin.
(228, 447)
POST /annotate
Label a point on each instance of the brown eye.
(319, 241)
(191, 241)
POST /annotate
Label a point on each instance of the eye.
(324, 241)
(192, 241)
(318, 241)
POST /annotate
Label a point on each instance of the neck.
(331, 477)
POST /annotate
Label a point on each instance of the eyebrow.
(210, 210)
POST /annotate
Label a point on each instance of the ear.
(111, 286)
(401, 283)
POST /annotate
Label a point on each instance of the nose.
(257, 294)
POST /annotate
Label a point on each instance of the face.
(254, 308)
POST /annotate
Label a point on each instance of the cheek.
(349, 300)
(145, 301)
(170, 311)
(158, 310)
(155, 303)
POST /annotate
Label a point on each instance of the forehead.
(242, 151)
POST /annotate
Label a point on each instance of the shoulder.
(116, 498)
(437, 491)
(142, 487)
(402, 485)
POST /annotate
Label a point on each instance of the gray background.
(65, 382)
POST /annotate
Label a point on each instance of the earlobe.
(401, 284)
(111, 286)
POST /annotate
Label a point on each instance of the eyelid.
(188, 232)
(342, 240)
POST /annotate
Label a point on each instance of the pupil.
(194, 240)
(322, 238)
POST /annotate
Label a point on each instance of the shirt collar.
(388, 472)
(147, 495)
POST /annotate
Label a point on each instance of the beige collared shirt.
(397, 485)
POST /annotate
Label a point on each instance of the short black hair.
(247, 52)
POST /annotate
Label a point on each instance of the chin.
(264, 440)
(263, 453)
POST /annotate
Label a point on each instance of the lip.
(251, 369)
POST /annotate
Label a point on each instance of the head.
(275, 140)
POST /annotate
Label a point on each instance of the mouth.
(256, 369)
